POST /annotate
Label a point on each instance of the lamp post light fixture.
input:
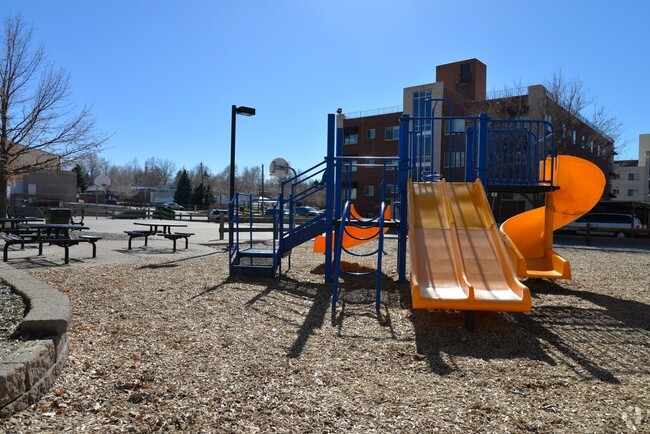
(244, 111)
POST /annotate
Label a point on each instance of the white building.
(632, 182)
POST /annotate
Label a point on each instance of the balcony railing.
(375, 112)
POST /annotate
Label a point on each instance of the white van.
(608, 220)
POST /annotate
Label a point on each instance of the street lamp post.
(244, 111)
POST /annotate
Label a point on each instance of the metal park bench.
(178, 235)
(11, 239)
(138, 234)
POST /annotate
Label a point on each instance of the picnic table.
(14, 222)
(50, 233)
(165, 227)
(161, 228)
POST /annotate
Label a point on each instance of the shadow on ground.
(576, 337)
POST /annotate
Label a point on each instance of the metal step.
(255, 262)
(257, 253)
(254, 270)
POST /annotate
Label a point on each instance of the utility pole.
(202, 186)
(262, 188)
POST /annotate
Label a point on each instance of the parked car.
(608, 220)
(307, 211)
(274, 211)
(174, 206)
(213, 215)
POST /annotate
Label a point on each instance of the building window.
(353, 193)
(616, 191)
(632, 176)
(369, 191)
(392, 133)
(456, 159)
(350, 136)
(454, 126)
(370, 134)
(465, 77)
(632, 192)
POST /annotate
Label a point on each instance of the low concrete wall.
(28, 373)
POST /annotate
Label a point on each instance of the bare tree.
(200, 174)
(156, 172)
(251, 180)
(123, 178)
(569, 104)
(220, 184)
(39, 127)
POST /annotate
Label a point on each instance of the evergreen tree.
(202, 195)
(183, 194)
(198, 195)
(82, 184)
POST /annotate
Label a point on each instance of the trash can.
(58, 215)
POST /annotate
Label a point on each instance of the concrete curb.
(29, 372)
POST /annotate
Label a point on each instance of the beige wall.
(437, 90)
(640, 173)
(644, 150)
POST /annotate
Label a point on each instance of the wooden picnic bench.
(176, 236)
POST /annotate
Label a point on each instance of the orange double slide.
(459, 259)
(580, 185)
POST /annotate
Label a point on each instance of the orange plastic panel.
(352, 233)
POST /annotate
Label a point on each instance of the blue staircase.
(252, 262)
(249, 260)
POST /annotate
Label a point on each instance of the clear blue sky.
(162, 75)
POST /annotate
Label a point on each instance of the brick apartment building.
(462, 86)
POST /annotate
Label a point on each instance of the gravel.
(178, 346)
(12, 311)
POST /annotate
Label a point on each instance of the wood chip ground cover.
(181, 347)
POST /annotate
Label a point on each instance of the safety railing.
(346, 222)
(503, 153)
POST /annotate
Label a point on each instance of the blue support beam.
(404, 167)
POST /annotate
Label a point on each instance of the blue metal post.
(330, 193)
(483, 146)
(402, 232)
(338, 182)
(470, 174)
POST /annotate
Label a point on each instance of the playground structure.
(459, 258)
